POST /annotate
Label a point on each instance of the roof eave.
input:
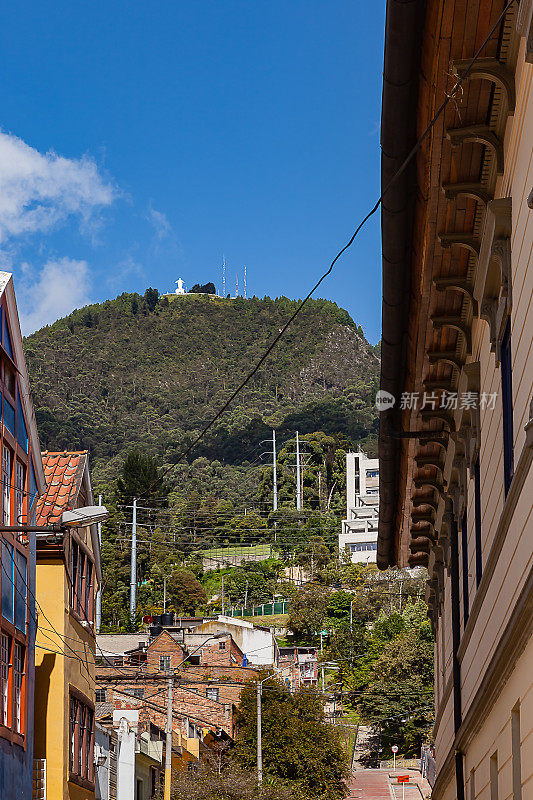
(403, 38)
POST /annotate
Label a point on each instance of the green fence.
(264, 610)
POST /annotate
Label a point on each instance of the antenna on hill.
(245, 281)
(236, 284)
(223, 276)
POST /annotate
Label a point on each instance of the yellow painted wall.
(54, 674)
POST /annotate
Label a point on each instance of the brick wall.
(223, 653)
(164, 645)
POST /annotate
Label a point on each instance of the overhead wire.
(397, 174)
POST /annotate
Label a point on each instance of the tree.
(399, 699)
(151, 298)
(231, 783)
(298, 745)
(308, 611)
(140, 477)
(206, 288)
(185, 593)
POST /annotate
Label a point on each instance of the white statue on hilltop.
(180, 289)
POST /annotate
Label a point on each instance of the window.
(164, 663)
(477, 514)
(8, 580)
(81, 582)
(494, 776)
(153, 781)
(222, 645)
(19, 492)
(10, 380)
(138, 789)
(21, 588)
(18, 675)
(372, 473)
(464, 555)
(507, 407)
(22, 433)
(212, 693)
(9, 416)
(5, 647)
(81, 733)
(138, 691)
(516, 749)
(363, 547)
(6, 485)
(101, 695)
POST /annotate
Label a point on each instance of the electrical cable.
(401, 169)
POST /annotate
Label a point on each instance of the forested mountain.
(143, 371)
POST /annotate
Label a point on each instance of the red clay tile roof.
(63, 473)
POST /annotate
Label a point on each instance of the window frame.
(81, 739)
(81, 588)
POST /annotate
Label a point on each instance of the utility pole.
(168, 753)
(223, 608)
(133, 577)
(298, 485)
(99, 592)
(321, 653)
(164, 593)
(259, 739)
(274, 472)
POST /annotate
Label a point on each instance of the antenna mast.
(223, 276)
(236, 284)
(245, 280)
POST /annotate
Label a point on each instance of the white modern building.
(359, 534)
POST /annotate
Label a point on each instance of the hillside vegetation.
(142, 371)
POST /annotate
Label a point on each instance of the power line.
(401, 169)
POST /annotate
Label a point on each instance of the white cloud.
(61, 286)
(37, 191)
(159, 220)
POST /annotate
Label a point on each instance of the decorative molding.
(481, 134)
(457, 324)
(475, 191)
(457, 284)
(470, 243)
(448, 356)
(489, 69)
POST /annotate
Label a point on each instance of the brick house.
(206, 692)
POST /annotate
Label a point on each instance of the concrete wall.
(259, 646)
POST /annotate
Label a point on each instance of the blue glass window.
(32, 500)
(20, 590)
(9, 416)
(8, 584)
(22, 434)
(7, 338)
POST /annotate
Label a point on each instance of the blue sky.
(142, 141)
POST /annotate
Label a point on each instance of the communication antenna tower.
(223, 276)
(245, 295)
(236, 284)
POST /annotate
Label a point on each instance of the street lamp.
(78, 518)
(259, 733)
(168, 753)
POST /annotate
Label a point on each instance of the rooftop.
(63, 474)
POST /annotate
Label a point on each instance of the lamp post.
(170, 697)
(259, 732)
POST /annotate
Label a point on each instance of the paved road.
(375, 784)
(370, 784)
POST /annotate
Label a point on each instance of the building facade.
(22, 480)
(359, 533)
(456, 448)
(68, 572)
